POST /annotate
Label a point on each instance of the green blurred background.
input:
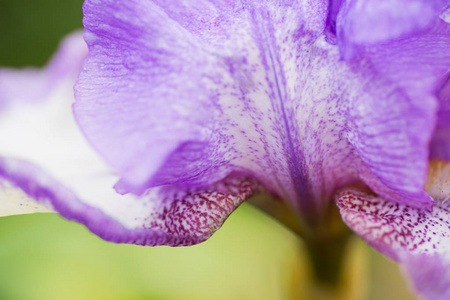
(45, 257)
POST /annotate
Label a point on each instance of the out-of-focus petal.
(33, 84)
(429, 274)
(418, 63)
(417, 238)
(445, 14)
(440, 145)
(28, 89)
(375, 21)
(14, 201)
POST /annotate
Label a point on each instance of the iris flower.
(185, 109)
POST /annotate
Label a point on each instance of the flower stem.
(326, 259)
(326, 241)
(331, 270)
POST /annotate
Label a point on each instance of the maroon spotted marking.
(199, 212)
(395, 229)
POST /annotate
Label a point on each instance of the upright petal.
(191, 92)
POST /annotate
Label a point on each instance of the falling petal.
(417, 238)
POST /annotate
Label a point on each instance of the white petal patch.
(13, 201)
(445, 14)
(46, 134)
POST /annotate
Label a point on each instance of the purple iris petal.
(188, 93)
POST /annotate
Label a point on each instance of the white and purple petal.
(417, 238)
(46, 165)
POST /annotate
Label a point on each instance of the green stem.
(326, 259)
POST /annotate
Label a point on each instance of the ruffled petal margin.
(419, 239)
(170, 215)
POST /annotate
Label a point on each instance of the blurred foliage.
(31, 29)
(45, 257)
